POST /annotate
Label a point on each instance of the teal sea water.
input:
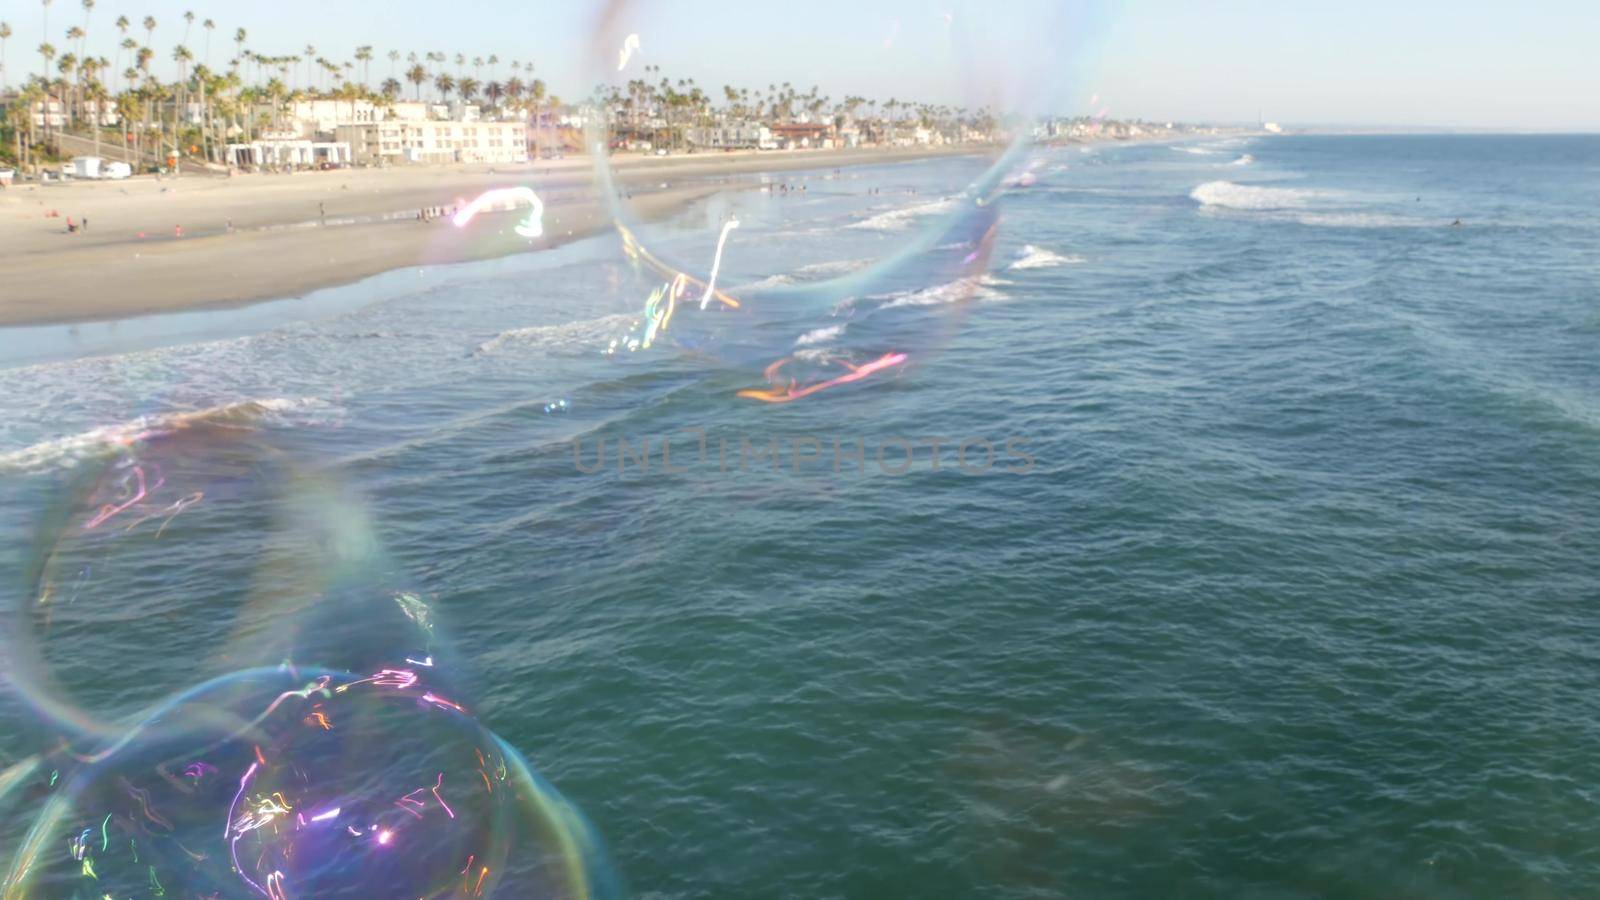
(1295, 594)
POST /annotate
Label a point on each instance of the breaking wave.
(983, 288)
(819, 335)
(1244, 160)
(96, 442)
(771, 281)
(1031, 257)
(896, 219)
(1227, 195)
(580, 333)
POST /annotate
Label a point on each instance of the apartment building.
(429, 141)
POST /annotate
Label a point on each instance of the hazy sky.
(1533, 65)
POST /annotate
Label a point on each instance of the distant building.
(429, 141)
(312, 119)
(288, 151)
(49, 113)
(793, 135)
(733, 136)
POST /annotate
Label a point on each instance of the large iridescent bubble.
(730, 292)
(312, 741)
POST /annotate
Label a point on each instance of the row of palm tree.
(94, 91)
(252, 89)
(669, 107)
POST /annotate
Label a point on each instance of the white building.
(49, 113)
(311, 119)
(733, 136)
(429, 141)
(273, 152)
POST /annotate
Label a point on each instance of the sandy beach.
(156, 246)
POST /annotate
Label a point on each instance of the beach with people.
(195, 241)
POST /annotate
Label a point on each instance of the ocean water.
(1284, 585)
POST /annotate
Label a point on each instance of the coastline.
(293, 234)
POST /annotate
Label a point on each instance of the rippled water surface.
(1297, 596)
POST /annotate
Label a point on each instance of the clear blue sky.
(1533, 65)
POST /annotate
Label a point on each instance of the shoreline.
(295, 234)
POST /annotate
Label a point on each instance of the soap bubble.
(329, 753)
(282, 783)
(742, 292)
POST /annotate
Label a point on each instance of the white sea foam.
(833, 267)
(1363, 220)
(983, 288)
(1244, 160)
(1197, 151)
(1031, 257)
(819, 335)
(74, 448)
(771, 281)
(567, 334)
(1227, 195)
(896, 219)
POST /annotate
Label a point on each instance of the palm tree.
(182, 56)
(47, 50)
(46, 32)
(494, 91)
(460, 61)
(394, 57)
(493, 61)
(67, 65)
(417, 75)
(466, 89)
(444, 84)
(390, 88)
(188, 23)
(209, 26)
(96, 91)
(364, 56)
(238, 43)
(149, 29)
(309, 55)
(88, 7)
(5, 34)
(31, 95)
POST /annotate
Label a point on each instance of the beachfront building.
(797, 135)
(430, 141)
(732, 136)
(286, 150)
(318, 119)
(49, 113)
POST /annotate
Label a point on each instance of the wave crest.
(1031, 257)
(568, 334)
(1228, 195)
(896, 219)
(75, 448)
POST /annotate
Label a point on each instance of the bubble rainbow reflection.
(342, 758)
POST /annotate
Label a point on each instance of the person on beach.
(322, 212)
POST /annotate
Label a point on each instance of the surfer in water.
(1456, 224)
